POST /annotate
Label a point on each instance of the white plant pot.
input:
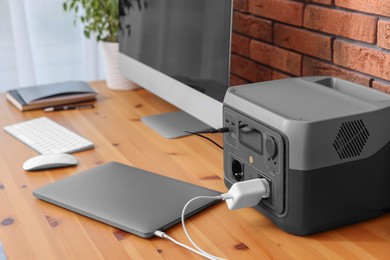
(114, 78)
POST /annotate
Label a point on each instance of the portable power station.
(321, 142)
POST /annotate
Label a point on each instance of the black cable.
(213, 131)
(205, 137)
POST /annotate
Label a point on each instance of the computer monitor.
(180, 51)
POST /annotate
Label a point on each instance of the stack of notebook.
(48, 95)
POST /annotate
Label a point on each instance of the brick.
(276, 57)
(383, 86)
(280, 10)
(241, 5)
(252, 26)
(380, 7)
(236, 81)
(361, 58)
(324, 2)
(313, 67)
(304, 41)
(249, 70)
(279, 75)
(240, 45)
(343, 23)
(384, 34)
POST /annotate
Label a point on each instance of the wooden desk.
(33, 229)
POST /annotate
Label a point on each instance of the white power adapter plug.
(247, 193)
(241, 195)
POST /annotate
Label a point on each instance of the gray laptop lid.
(125, 197)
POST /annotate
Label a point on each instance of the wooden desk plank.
(33, 229)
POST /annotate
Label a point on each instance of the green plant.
(98, 16)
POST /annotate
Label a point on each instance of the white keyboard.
(46, 136)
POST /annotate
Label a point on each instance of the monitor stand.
(174, 124)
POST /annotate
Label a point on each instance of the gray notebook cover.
(30, 94)
(131, 199)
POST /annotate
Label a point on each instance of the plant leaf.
(87, 33)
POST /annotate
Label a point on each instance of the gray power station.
(321, 142)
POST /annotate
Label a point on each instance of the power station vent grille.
(351, 139)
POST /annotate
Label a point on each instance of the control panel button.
(271, 147)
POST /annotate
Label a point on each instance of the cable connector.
(246, 193)
(226, 196)
(212, 131)
(160, 234)
(221, 130)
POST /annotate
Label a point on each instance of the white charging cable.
(185, 229)
(241, 195)
(164, 235)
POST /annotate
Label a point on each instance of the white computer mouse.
(49, 161)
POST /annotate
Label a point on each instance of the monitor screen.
(186, 40)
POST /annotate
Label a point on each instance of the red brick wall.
(349, 39)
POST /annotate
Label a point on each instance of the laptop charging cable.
(243, 194)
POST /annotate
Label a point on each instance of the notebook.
(131, 199)
(41, 96)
